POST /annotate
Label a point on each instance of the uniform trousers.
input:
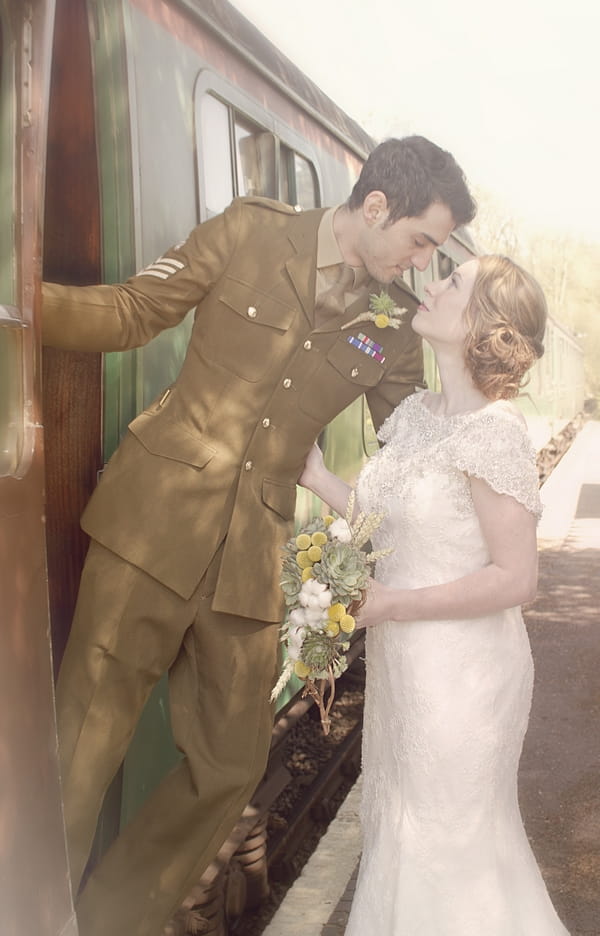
(127, 630)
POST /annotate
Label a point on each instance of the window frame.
(246, 108)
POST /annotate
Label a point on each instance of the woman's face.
(440, 317)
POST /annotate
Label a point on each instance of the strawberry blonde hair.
(506, 319)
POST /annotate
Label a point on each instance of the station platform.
(559, 776)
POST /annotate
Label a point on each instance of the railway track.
(549, 457)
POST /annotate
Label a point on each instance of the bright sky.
(510, 87)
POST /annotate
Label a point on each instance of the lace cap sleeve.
(389, 426)
(496, 447)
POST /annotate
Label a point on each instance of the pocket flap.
(255, 306)
(355, 365)
(161, 436)
(280, 497)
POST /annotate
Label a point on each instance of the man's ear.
(375, 208)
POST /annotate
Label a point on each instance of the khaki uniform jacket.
(218, 455)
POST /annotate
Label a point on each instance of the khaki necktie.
(330, 302)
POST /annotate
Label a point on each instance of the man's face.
(387, 252)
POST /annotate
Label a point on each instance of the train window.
(12, 404)
(417, 281)
(244, 150)
(238, 157)
(216, 162)
(306, 183)
(409, 277)
(370, 443)
(255, 160)
(298, 180)
(286, 185)
(445, 265)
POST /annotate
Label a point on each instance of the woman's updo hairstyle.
(506, 318)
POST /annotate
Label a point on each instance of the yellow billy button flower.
(303, 541)
(347, 623)
(307, 574)
(335, 612)
(318, 538)
(381, 320)
(301, 669)
(314, 553)
(328, 519)
(332, 628)
(302, 559)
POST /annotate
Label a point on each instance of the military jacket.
(218, 454)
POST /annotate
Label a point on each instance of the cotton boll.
(324, 599)
(314, 587)
(315, 618)
(296, 617)
(340, 530)
(305, 596)
(314, 602)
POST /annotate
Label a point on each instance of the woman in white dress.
(449, 668)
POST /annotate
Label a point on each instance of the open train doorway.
(35, 894)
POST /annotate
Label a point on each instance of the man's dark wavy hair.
(413, 173)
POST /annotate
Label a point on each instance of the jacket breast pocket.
(245, 329)
(344, 375)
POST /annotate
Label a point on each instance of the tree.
(567, 268)
(494, 230)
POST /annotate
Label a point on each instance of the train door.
(35, 892)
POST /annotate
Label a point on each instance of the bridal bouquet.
(324, 579)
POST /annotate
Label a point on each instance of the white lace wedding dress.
(447, 702)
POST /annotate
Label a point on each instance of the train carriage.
(144, 117)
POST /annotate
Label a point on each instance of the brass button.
(307, 344)
(251, 312)
(287, 383)
(266, 422)
(354, 372)
(248, 466)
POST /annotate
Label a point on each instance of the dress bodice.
(419, 480)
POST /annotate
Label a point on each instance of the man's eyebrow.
(430, 239)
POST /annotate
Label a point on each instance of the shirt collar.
(328, 250)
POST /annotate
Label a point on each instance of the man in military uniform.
(187, 523)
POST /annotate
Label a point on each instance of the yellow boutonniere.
(382, 311)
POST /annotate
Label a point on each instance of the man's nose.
(420, 259)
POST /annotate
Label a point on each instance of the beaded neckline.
(455, 416)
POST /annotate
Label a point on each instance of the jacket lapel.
(302, 266)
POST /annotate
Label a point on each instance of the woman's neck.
(458, 393)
